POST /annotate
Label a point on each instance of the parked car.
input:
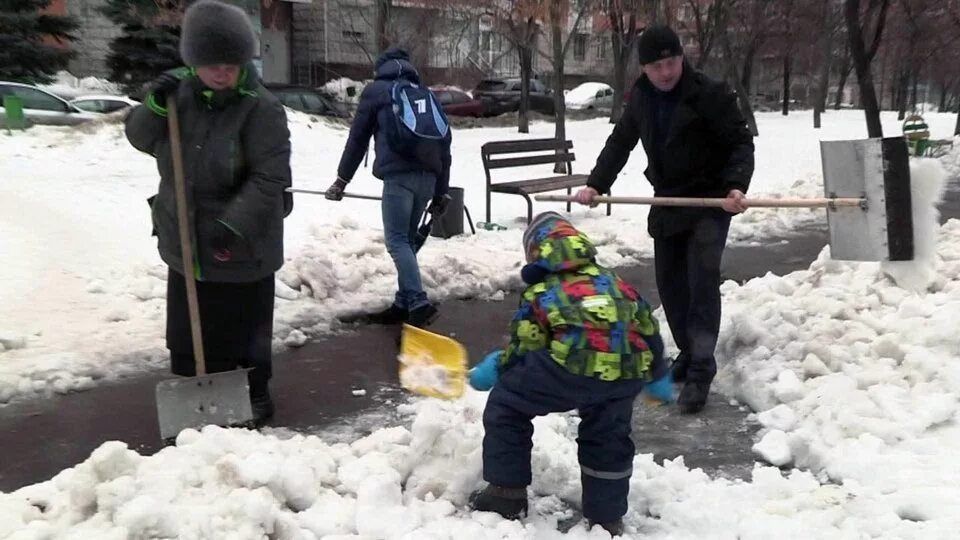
(41, 107)
(590, 95)
(103, 103)
(308, 100)
(456, 102)
(503, 95)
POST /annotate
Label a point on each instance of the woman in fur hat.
(236, 156)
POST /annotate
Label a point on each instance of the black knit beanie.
(658, 42)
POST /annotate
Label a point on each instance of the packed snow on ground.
(82, 288)
(855, 379)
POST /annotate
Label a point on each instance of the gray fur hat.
(216, 33)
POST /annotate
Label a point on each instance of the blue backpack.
(418, 120)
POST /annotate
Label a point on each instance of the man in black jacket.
(697, 145)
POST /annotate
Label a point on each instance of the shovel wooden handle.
(715, 202)
(186, 239)
(345, 195)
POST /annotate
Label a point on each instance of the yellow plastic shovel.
(432, 365)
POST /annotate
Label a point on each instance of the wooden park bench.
(535, 152)
(917, 133)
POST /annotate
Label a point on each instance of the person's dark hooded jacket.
(374, 112)
(708, 149)
(236, 160)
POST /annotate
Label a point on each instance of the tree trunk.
(559, 103)
(526, 69)
(861, 63)
(383, 18)
(623, 39)
(902, 88)
(913, 91)
(826, 60)
(786, 85)
(956, 130)
(943, 97)
(842, 83)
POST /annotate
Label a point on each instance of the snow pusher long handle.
(186, 239)
(717, 202)
(345, 195)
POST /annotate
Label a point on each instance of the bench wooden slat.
(526, 145)
(540, 185)
(529, 160)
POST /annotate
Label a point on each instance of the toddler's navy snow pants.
(536, 385)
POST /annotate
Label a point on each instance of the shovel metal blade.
(222, 399)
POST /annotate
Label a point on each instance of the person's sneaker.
(392, 315)
(423, 316)
(693, 397)
(615, 528)
(511, 503)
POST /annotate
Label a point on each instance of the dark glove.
(335, 191)
(438, 206)
(163, 86)
(221, 238)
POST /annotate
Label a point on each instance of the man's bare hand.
(736, 202)
(586, 195)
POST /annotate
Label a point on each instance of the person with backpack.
(412, 142)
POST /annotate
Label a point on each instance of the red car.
(458, 103)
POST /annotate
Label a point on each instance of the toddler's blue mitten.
(484, 375)
(661, 390)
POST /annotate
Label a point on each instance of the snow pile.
(67, 86)
(346, 90)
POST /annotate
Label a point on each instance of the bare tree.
(706, 20)
(741, 41)
(829, 21)
(846, 66)
(518, 21)
(623, 18)
(559, 11)
(868, 27)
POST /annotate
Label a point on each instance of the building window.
(601, 47)
(486, 41)
(684, 13)
(580, 47)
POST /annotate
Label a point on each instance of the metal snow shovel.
(432, 365)
(868, 199)
(216, 398)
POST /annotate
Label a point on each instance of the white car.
(41, 107)
(590, 95)
(103, 103)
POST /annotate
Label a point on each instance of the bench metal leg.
(569, 194)
(488, 204)
(609, 205)
(529, 208)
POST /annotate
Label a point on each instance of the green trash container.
(13, 111)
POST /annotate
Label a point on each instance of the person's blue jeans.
(405, 197)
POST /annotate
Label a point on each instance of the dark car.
(308, 100)
(503, 95)
(458, 103)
